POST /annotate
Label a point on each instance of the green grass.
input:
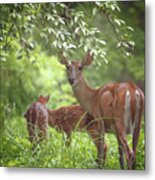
(15, 150)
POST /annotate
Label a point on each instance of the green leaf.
(128, 54)
(71, 46)
(102, 42)
(77, 30)
(49, 17)
(94, 11)
(31, 45)
(130, 28)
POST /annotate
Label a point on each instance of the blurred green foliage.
(31, 35)
(69, 27)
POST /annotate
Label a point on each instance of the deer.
(64, 119)
(116, 107)
(37, 119)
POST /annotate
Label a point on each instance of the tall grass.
(15, 149)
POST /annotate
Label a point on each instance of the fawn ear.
(87, 59)
(43, 99)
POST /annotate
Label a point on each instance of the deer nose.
(71, 80)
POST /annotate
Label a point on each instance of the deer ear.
(62, 59)
(43, 99)
(87, 59)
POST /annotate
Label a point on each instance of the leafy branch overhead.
(69, 27)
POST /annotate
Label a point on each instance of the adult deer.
(115, 106)
(65, 119)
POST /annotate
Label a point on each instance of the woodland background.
(31, 36)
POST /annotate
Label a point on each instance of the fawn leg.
(105, 147)
(42, 125)
(31, 131)
(68, 141)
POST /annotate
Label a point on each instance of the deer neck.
(84, 94)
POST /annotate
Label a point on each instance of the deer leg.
(135, 139)
(121, 155)
(42, 134)
(68, 130)
(98, 139)
(31, 131)
(32, 136)
(105, 147)
(101, 148)
(121, 137)
(101, 156)
(68, 141)
(100, 144)
(42, 128)
(137, 124)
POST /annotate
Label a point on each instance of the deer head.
(74, 69)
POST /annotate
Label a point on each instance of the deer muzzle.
(71, 80)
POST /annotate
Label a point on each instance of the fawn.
(64, 119)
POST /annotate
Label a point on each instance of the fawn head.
(74, 69)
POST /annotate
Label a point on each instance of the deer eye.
(80, 68)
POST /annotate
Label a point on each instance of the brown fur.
(115, 106)
(64, 119)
